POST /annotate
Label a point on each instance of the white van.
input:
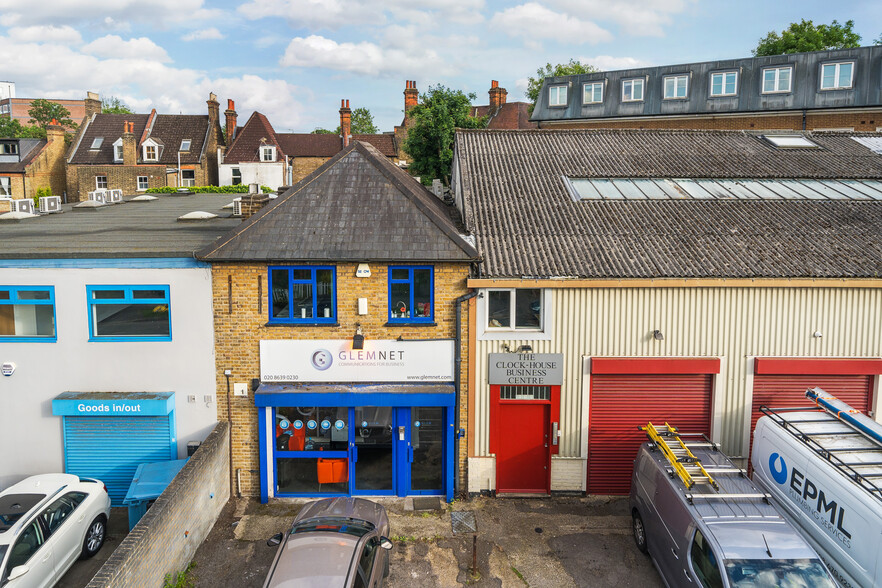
(824, 469)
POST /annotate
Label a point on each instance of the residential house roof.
(519, 204)
(28, 149)
(167, 130)
(357, 206)
(511, 115)
(256, 131)
(126, 230)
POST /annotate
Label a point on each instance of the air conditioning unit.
(237, 207)
(113, 197)
(98, 196)
(50, 204)
(23, 205)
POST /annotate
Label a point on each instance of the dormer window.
(150, 152)
(837, 76)
(268, 153)
(8, 148)
(96, 142)
(117, 151)
(185, 145)
(557, 96)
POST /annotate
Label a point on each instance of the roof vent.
(791, 142)
(197, 215)
(144, 198)
(17, 215)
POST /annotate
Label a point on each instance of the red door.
(523, 459)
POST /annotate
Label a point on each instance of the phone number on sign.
(280, 378)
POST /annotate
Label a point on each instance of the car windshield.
(354, 527)
(777, 573)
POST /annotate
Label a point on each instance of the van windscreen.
(777, 573)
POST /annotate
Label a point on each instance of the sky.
(294, 60)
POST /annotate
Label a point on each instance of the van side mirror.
(385, 543)
(18, 572)
(274, 540)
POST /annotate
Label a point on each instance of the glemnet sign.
(334, 360)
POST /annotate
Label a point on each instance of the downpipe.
(457, 364)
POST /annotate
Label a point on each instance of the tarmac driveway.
(557, 542)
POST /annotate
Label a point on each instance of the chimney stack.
(230, 114)
(54, 132)
(345, 122)
(92, 104)
(213, 109)
(497, 96)
(411, 96)
(130, 151)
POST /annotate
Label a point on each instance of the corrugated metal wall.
(732, 323)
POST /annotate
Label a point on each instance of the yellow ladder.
(687, 466)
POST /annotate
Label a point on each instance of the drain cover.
(463, 521)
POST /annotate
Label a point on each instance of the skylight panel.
(791, 142)
(874, 144)
(96, 142)
(185, 145)
(584, 189)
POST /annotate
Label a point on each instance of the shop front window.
(308, 442)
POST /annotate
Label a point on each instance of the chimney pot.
(494, 84)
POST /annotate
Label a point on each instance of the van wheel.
(95, 535)
(639, 531)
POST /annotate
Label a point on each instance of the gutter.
(457, 307)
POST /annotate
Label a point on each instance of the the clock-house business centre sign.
(526, 369)
(334, 360)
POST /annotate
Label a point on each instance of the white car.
(46, 523)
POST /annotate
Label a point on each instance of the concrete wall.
(166, 538)
(184, 365)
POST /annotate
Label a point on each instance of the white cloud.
(533, 21)
(203, 35)
(362, 58)
(112, 13)
(636, 17)
(610, 63)
(114, 47)
(333, 14)
(62, 34)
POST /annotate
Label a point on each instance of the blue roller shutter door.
(111, 448)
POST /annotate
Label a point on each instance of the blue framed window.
(27, 313)
(129, 313)
(305, 294)
(411, 294)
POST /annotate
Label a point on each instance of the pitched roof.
(511, 115)
(309, 145)
(357, 206)
(385, 143)
(28, 150)
(250, 137)
(167, 130)
(130, 229)
(527, 224)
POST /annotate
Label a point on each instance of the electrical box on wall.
(362, 306)
(240, 389)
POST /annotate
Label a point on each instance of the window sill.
(410, 324)
(128, 339)
(302, 324)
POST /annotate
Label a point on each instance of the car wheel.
(95, 536)
(639, 531)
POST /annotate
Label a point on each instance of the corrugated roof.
(356, 207)
(527, 223)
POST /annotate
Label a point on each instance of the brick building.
(258, 154)
(134, 152)
(17, 108)
(29, 164)
(502, 114)
(336, 315)
(822, 90)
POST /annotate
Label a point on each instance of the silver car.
(334, 542)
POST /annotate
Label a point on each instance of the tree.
(10, 128)
(361, 123)
(806, 36)
(321, 131)
(430, 137)
(573, 67)
(113, 105)
(43, 112)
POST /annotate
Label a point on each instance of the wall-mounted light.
(658, 335)
(358, 338)
(524, 349)
(817, 334)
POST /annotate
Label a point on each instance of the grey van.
(711, 527)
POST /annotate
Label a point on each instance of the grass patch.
(184, 579)
(519, 575)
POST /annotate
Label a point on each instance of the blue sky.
(294, 60)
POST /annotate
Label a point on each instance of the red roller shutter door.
(620, 403)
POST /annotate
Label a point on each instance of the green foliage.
(572, 67)
(362, 123)
(805, 36)
(113, 105)
(42, 112)
(321, 131)
(10, 128)
(237, 189)
(184, 579)
(430, 139)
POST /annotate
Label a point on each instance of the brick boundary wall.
(166, 538)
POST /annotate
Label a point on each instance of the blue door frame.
(402, 450)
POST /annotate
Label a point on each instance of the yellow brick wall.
(240, 324)
(303, 166)
(47, 169)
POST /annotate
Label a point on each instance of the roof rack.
(852, 425)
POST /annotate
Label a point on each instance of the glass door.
(373, 449)
(426, 449)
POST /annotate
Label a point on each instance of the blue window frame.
(411, 294)
(129, 313)
(27, 313)
(305, 294)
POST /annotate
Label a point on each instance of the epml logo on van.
(829, 514)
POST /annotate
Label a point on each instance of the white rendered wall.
(263, 174)
(30, 436)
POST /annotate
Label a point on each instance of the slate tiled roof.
(130, 229)
(357, 206)
(512, 115)
(527, 224)
(168, 130)
(28, 150)
(248, 140)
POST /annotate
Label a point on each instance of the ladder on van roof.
(852, 426)
(684, 462)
